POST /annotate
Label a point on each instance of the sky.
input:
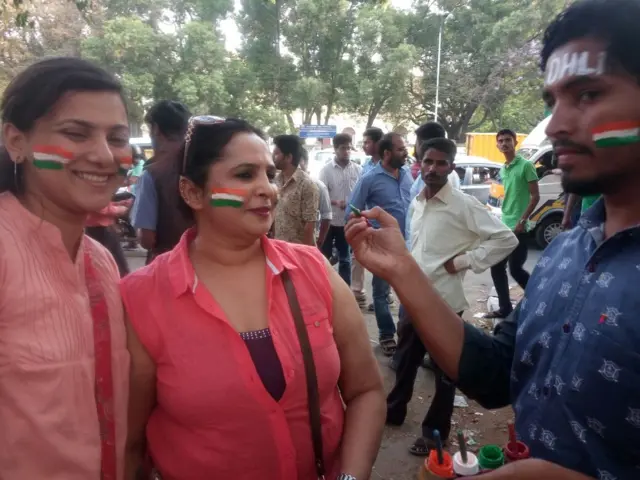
(233, 39)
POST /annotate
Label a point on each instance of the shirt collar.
(183, 276)
(593, 221)
(444, 195)
(514, 162)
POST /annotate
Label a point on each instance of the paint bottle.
(465, 464)
(490, 457)
(515, 450)
(438, 465)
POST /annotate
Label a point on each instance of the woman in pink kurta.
(63, 358)
(218, 387)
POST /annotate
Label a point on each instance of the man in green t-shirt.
(521, 196)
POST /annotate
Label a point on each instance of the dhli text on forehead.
(574, 64)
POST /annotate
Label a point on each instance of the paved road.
(394, 461)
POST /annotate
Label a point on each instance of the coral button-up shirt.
(48, 418)
(214, 418)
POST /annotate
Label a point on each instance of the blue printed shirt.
(378, 188)
(575, 380)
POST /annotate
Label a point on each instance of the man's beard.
(398, 162)
(596, 186)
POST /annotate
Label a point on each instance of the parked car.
(476, 175)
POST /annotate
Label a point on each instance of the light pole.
(444, 19)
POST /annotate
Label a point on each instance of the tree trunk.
(373, 113)
(292, 125)
(327, 115)
(308, 116)
(319, 116)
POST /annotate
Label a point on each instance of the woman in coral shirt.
(63, 360)
(218, 386)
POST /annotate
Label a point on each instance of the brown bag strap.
(310, 372)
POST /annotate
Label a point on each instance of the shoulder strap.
(103, 373)
(310, 373)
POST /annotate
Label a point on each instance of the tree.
(135, 53)
(484, 45)
(383, 64)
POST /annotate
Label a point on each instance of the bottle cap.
(521, 451)
(490, 457)
(443, 470)
(468, 469)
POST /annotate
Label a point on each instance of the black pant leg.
(501, 282)
(327, 246)
(517, 260)
(410, 352)
(440, 411)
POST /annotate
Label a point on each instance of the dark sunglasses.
(193, 123)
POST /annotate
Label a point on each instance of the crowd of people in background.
(239, 351)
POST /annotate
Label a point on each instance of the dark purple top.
(265, 358)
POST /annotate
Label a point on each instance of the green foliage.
(303, 59)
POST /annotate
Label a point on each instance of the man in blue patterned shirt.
(568, 357)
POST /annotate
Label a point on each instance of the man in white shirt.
(451, 232)
(340, 176)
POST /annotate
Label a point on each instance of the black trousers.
(515, 261)
(107, 237)
(409, 356)
(335, 236)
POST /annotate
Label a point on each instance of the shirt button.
(317, 324)
(566, 328)
(545, 391)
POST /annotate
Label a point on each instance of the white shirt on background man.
(453, 223)
(340, 182)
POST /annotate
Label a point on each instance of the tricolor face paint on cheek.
(228, 197)
(124, 165)
(572, 64)
(617, 134)
(51, 157)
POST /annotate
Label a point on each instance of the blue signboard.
(318, 131)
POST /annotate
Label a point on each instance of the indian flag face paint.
(51, 157)
(228, 197)
(617, 134)
(124, 165)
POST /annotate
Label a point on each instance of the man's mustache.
(572, 145)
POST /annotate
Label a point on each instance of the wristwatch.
(344, 476)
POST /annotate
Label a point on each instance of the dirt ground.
(480, 426)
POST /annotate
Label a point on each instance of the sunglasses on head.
(193, 123)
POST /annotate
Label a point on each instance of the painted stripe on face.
(617, 134)
(51, 157)
(227, 197)
(124, 165)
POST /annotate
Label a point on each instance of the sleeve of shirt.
(415, 188)
(455, 180)
(322, 176)
(407, 225)
(310, 202)
(325, 203)
(485, 364)
(496, 240)
(144, 213)
(530, 174)
(359, 195)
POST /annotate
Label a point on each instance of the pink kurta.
(48, 418)
(214, 419)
